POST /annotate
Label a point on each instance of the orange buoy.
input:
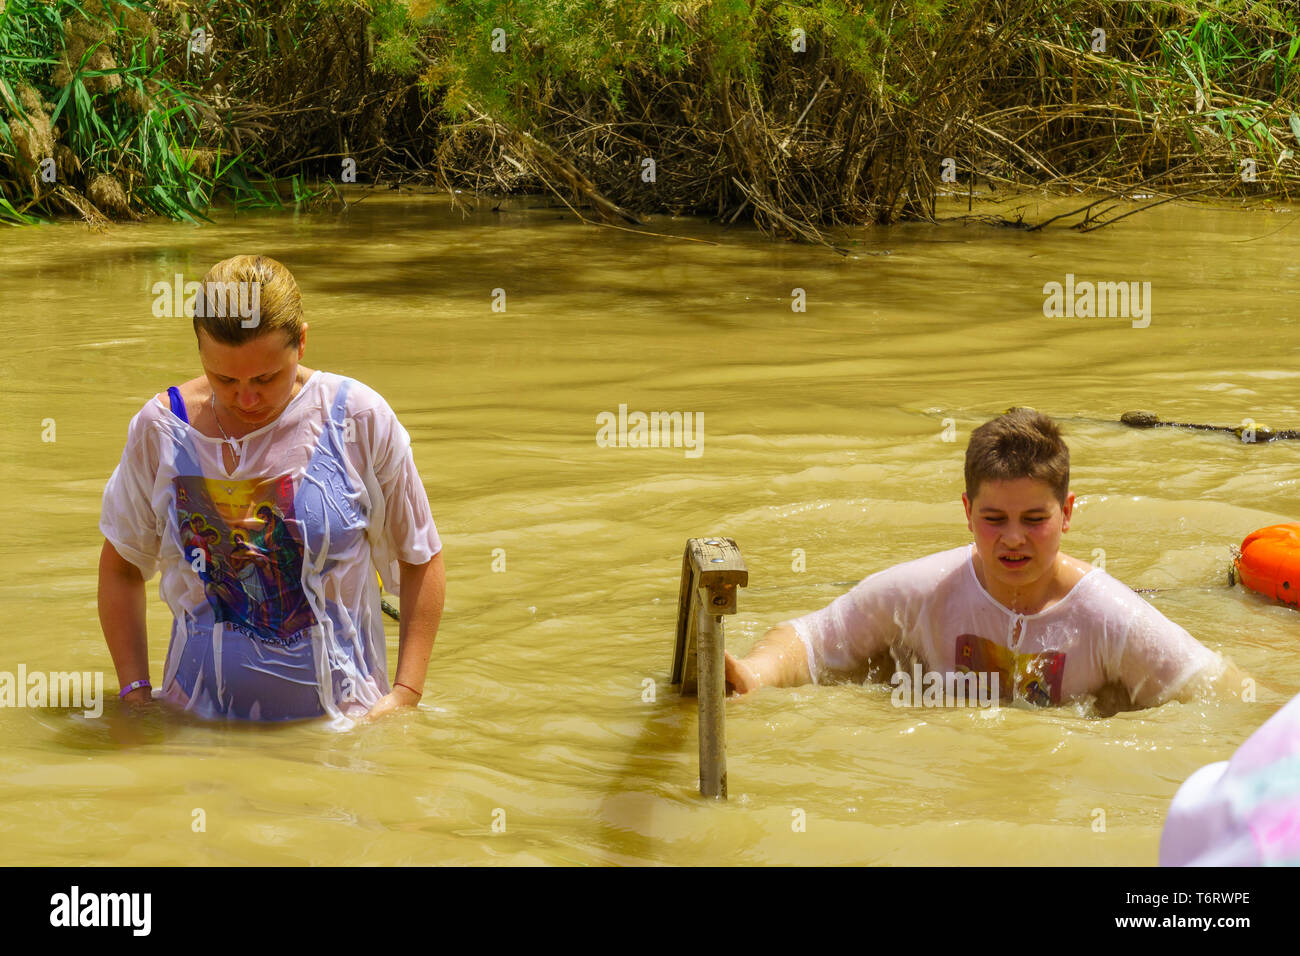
(1269, 563)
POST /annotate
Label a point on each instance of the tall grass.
(107, 85)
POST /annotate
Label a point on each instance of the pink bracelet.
(134, 685)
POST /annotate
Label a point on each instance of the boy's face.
(1017, 527)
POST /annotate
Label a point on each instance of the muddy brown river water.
(824, 446)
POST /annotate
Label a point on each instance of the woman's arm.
(426, 586)
(423, 589)
(122, 618)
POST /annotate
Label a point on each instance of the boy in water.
(1047, 627)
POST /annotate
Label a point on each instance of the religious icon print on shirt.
(242, 539)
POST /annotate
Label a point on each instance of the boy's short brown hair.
(1022, 443)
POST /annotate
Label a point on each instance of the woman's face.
(253, 382)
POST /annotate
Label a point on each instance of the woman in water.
(303, 482)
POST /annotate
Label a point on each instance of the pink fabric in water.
(1244, 811)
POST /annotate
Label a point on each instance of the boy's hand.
(741, 678)
(1222, 680)
(1230, 682)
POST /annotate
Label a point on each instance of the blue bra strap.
(178, 404)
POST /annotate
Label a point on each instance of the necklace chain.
(233, 442)
(234, 447)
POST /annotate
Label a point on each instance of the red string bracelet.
(417, 693)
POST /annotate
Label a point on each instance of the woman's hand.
(139, 699)
(399, 697)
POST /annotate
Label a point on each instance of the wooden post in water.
(712, 569)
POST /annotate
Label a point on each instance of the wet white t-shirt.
(934, 611)
(270, 571)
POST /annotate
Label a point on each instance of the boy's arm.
(1161, 662)
(778, 660)
(1223, 680)
(839, 637)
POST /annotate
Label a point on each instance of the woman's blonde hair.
(244, 297)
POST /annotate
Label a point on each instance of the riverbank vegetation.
(796, 115)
